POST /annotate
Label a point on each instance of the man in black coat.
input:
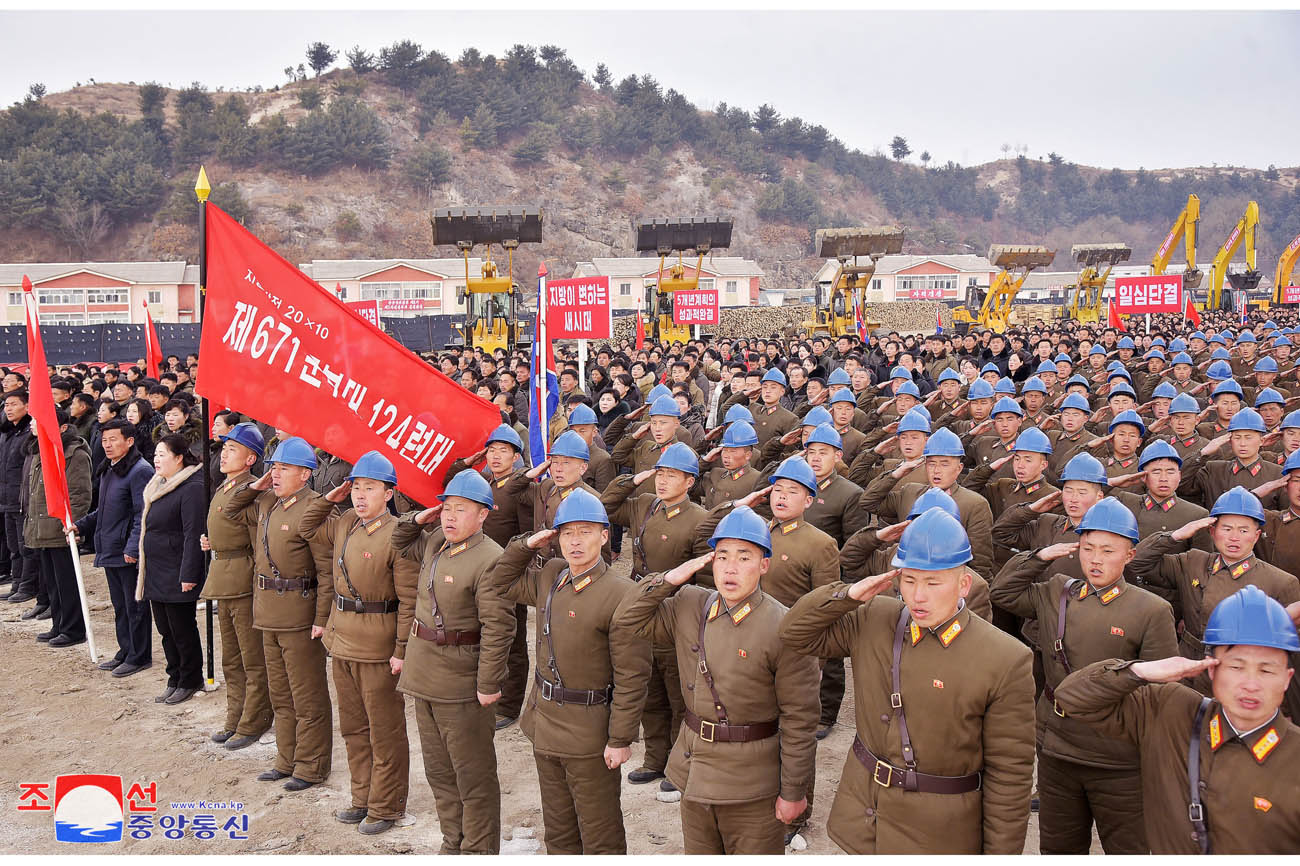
(23, 561)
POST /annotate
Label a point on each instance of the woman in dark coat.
(171, 562)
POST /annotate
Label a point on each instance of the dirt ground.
(61, 715)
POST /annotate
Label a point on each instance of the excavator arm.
(1085, 302)
(1285, 269)
(1185, 227)
(1244, 230)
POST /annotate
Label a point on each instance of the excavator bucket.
(504, 224)
(1010, 256)
(1246, 281)
(848, 242)
(701, 234)
(1095, 255)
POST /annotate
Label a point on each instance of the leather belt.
(241, 553)
(353, 605)
(719, 732)
(549, 691)
(284, 584)
(887, 775)
(445, 638)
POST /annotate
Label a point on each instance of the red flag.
(1189, 312)
(640, 332)
(280, 347)
(1113, 318)
(152, 348)
(41, 406)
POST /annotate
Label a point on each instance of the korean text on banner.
(578, 309)
(1162, 293)
(1291, 294)
(368, 310)
(278, 347)
(696, 307)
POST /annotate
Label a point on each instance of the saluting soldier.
(1073, 435)
(455, 659)
(1029, 460)
(600, 467)
(1082, 777)
(771, 419)
(1225, 402)
(1005, 421)
(944, 753)
(834, 509)
(736, 478)
(1208, 479)
(1184, 414)
(641, 451)
(1280, 543)
(582, 714)
(292, 597)
(374, 601)
(1218, 774)
(745, 755)
(230, 536)
(973, 411)
(844, 410)
(1035, 525)
(1160, 509)
(909, 435)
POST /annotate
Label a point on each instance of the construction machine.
(1185, 227)
(1247, 280)
(1285, 268)
(994, 307)
(700, 235)
(492, 299)
(839, 306)
(1084, 304)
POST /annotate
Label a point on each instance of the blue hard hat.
(583, 414)
(1165, 390)
(900, 373)
(570, 444)
(1120, 374)
(1271, 324)
(1096, 350)
(1246, 337)
(679, 456)
(1033, 383)
(943, 443)
(1266, 364)
(375, 466)
(844, 395)
(1247, 419)
(580, 507)
(246, 434)
(1078, 379)
(908, 387)
(1241, 501)
(505, 433)
(934, 541)
(1005, 386)
(775, 375)
(1126, 343)
(743, 524)
(1062, 358)
(1084, 467)
(1227, 386)
(1292, 463)
(1178, 345)
(816, 417)
(933, 497)
(796, 469)
(1006, 404)
(1046, 367)
(739, 434)
(920, 407)
(1281, 342)
(1155, 353)
(468, 484)
(1182, 358)
(1158, 450)
(1220, 354)
(1291, 421)
(1196, 335)
(739, 413)
(1034, 441)
(914, 421)
(1218, 338)
(1184, 404)
(665, 406)
(1121, 388)
(1158, 341)
(656, 392)
(1076, 401)
(990, 367)
(1128, 416)
(1219, 371)
(1110, 515)
(295, 451)
(949, 375)
(839, 376)
(1250, 617)
(1268, 395)
(980, 389)
(825, 434)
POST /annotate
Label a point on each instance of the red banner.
(368, 310)
(696, 307)
(41, 406)
(1291, 294)
(578, 309)
(403, 305)
(278, 347)
(925, 294)
(1158, 294)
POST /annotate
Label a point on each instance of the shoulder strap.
(1058, 648)
(266, 544)
(896, 701)
(343, 567)
(1196, 811)
(638, 545)
(709, 601)
(546, 626)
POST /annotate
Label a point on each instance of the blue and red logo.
(88, 808)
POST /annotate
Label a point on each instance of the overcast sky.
(1158, 90)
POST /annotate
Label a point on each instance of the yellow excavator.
(1248, 279)
(491, 299)
(994, 308)
(1084, 305)
(1185, 227)
(836, 315)
(700, 235)
(1285, 269)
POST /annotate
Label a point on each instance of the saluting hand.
(262, 483)
(638, 411)
(981, 426)
(792, 437)
(538, 540)
(715, 433)
(1046, 503)
(428, 515)
(888, 445)
(713, 454)
(1100, 440)
(1130, 480)
(870, 587)
(1099, 414)
(1293, 611)
(905, 467)
(999, 463)
(1187, 530)
(640, 432)
(536, 472)
(961, 411)
(1270, 438)
(684, 572)
(476, 457)
(643, 476)
(1050, 421)
(890, 534)
(1270, 486)
(340, 493)
(1159, 424)
(753, 497)
(1055, 551)
(1213, 446)
(1171, 670)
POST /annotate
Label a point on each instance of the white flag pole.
(81, 592)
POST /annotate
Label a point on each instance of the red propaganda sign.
(368, 310)
(1291, 294)
(696, 307)
(1157, 294)
(278, 347)
(925, 294)
(578, 309)
(403, 305)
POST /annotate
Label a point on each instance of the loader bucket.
(679, 234)
(1246, 281)
(1095, 255)
(498, 224)
(1009, 256)
(844, 243)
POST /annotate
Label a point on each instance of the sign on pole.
(578, 309)
(1162, 293)
(1291, 294)
(368, 310)
(696, 307)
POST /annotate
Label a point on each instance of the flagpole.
(81, 593)
(201, 191)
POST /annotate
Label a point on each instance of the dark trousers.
(60, 581)
(516, 682)
(132, 618)
(23, 560)
(180, 640)
(1073, 797)
(6, 566)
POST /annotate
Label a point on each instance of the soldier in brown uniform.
(1029, 461)
(771, 419)
(843, 410)
(1225, 402)
(834, 509)
(1073, 435)
(600, 467)
(910, 434)
(293, 593)
(1005, 421)
(374, 601)
(1280, 543)
(585, 705)
(975, 410)
(1084, 778)
(1160, 509)
(736, 477)
(1184, 413)
(456, 660)
(944, 753)
(1218, 775)
(745, 755)
(641, 451)
(1205, 480)
(1035, 525)
(230, 582)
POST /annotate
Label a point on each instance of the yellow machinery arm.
(1016, 261)
(664, 236)
(1084, 305)
(1285, 269)
(836, 316)
(1185, 227)
(1244, 230)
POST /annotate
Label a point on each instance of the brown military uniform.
(986, 449)
(374, 592)
(863, 555)
(1280, 543)
(1188, 446)
(1065, 446)
(1205, 480)
(965, 688)
(603, 668)
(729, 787)
(851, 442)
(1020, 529)
(1002, 494)
(891, 501)
(452, 655)
(723, 485)
(1084, 777)
(639, 454)
(834, 509)
(772, 422)
(1249, 790)
(600, 468)
(544, 498)
(1211, 429)
(230, 582)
